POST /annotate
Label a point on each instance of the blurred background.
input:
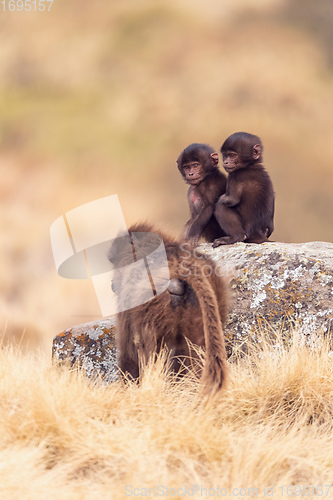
(99, 98)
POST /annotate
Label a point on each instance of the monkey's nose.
(176, 287)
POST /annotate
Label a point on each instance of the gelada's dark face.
(240, 157)
(232, 161)
(193, 172)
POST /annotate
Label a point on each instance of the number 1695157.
(26, 5)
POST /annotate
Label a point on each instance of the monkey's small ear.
(215, 158)
(256, 152)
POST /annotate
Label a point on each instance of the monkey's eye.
(188, 166)
(229, 154)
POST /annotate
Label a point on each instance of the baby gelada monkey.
(198, 164)
(246, 211)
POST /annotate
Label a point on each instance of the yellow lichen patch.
(82, 339)
(64, 333)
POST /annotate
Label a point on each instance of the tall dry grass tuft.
(288, 376)
(64, 436)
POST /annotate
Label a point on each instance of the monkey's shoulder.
(217, 178)
(212, 186)
(252, 182)
(254, 172)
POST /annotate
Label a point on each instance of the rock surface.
(91, 345)
(277, 285)
(274, 285)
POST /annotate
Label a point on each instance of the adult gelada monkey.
(193, 306)
(246, 211)
(198, 164)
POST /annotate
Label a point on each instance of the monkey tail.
(215, 369)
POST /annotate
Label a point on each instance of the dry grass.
(63, 436)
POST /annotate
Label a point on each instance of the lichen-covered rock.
(278, 285)
(91, 345)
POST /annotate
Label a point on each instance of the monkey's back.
(159, 319)
(256, 207)
(169, 321)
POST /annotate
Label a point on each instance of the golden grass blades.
(65, 436)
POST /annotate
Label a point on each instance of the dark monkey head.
(196, 162)
(240, 150)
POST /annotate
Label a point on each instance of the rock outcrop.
(279, 285)
(91, 345)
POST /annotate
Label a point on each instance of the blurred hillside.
(98, 98)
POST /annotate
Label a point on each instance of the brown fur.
(198, 164)
(246, 211)
(170, 320)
